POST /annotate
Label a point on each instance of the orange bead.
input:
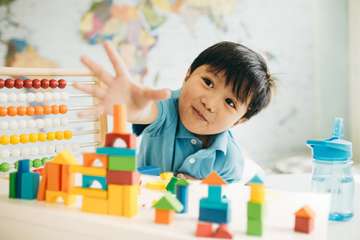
(21, 111)
(12, 111)
(30, 111)
(3, 111)
(39, 110)
(55, 109)
(63, 109)
(67, 134)
(59, 135)
(47, 109)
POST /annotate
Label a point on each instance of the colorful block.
(12, 185)
(164, 216)
(168, 202)
(157, 185)
(89, 192)
(115, 199)
(149, 170)
(90, 158)
(129, 152)
(67, 178)
(304, 225)
(222, 232)
(129, 139)
(119, 118)
(213, 179)
(122, 163)
(254, 210)
(29, 184)
(254, 227)
(91, 171)
(123, 177)
(166, 176)
(257, 193)
(64, 157)
(130, 200)
(220, 205)
(41, 195)
(23, 166)
(204, 229)
(87, 181)
(52, 196)
(214, 215)
(53, 174)
(182, 194)
(214, 193)
(94, 205)
(171, 186)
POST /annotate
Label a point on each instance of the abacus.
(35, 120)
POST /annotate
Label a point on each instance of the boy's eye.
(208, 82)
(230, 102)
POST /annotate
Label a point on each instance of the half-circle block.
(128, 138)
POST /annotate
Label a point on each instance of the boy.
(187, 131)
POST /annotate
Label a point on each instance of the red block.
(89, 159)
(204, 229)
(128, 138)
(53, 175)
(123, 177)
(222, 232)
(304, 225)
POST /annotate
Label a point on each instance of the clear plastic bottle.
(332, 172)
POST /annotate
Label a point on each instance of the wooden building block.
(219, 216)
(157, 185)
(123, 177)
(119, 118)
(257, 193)
(130, 200)
(182, 194)
(90, 158)
(204, 229)
(254, 227)
(112, 151)
(128, 138)
(64, 157)
(164, 216)
(29, 184)
(304, 225)
(23, 166)
(214, 193)
(122, 163)
(12, 185)
(41, 195)
(95, 205)
(89, 192)
(53, 174)
(52, 196)
(254, 210)
(87, 181)
(91, 171)
(67, 178)
(223, 204)
(115, 193)
(222, 232)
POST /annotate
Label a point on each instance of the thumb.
(157, 94)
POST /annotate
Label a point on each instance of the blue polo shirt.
(167, 144)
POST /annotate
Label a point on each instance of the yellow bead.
(14, 139)
(42, 137)
(4, 139)
(67, 134)
(59, 135)
(24, 138)
(50, 136)
(33, 137)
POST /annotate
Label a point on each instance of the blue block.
(208, 203)
(149, 170)
(214, 193)
(116, 151)
(182, 193)
(23, 166)
(29, 184)
(214, 215)
(87, 181)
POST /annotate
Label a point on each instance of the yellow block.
(64, 157)
(91, 171)
(166, 176)
(115, 199)
(123, 200)
(89, 192)
(257, 193)
(130, 197)
(159, 185)
(52, 196)
(94, 205)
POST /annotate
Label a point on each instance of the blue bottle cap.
(334, 148)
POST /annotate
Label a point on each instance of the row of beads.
(32, 83)
(31, 124)
(35, 137)
(37, 150)
(35, 163)
(32, 110)
(33, 97)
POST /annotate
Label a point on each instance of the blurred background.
(312, 47)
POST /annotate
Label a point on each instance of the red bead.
(28, 83)
(2, 83)
(19, 83)
(9, 83)
(53, 83)
(62, 83)
(36, 83)
(45, 83)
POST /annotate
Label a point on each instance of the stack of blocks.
(23, 183)
(165, 208)
(214, 209)
(180, 188)
(255, 207)
(304, 220)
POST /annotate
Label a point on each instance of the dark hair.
(244, 69)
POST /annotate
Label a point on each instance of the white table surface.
(22, 219)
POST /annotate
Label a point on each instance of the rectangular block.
(115, 199)
(89, 192)
(304, 225)
(23, 166)
(12, 185)
(90, 158)
(53, 196)
(53, 173)
(163, 216)
(123, 177)
(41, 195)
(95, 205)
(214, 193)
(29, 185)
(149, 170)
(67, 178)
(221, 205)
(130, 200)
(257, 193)
(91, 171)
(254, 227)
(254, 211)
(128, 139)
(122, 163)
(87, 181)
(130, 152)
(214, 215)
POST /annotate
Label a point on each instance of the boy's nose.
(208, 103)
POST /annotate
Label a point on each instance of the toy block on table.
(52, 196)
(257, 193)
(304, 220)
(165, 208)
(123, 177)
(53, 175)
(23, 166)
(64, 157)
(214, 193)
(213, 179)
(89, 192)
(130, 198)
(222, 232)
(254, 227)
(128, 138)
(223, 204)
(41, 195)
(255, 180)
(94, 205)
(112, 151)
(171, 186)
(119, 118)
(156, 185)
(122, 163)
(149, 170)
(67, 178)
(182, 193)
(254, 210)
(219, 216)
(90, 158)
(115, 199)
(204, 229)
(12, 185)
(28, 184)
(87, 181)
(163, 216)
(166, 176)
(91, 171)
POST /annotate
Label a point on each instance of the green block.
(254, 227)
(12, 185)
(168, 202)
(254, 211)
(122, 163)
(171, 186)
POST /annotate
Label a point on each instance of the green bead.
(43, 160)
(4, 167)
(37, 163)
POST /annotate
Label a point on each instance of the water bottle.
(332, 172)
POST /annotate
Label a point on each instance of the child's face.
(206, 105)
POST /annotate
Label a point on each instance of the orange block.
(222, 232)
(89, 159)
(67, 178)
(119, 114)
(204, 229)
(213, 179)
(42, 188)
(53, 175)
(164, 216)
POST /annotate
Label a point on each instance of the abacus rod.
(13, 71)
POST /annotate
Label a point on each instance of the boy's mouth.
(198, 114)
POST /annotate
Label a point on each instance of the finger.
(93, 90)
(99, 71)
(96, 111)
(157, 94)
(117, 62)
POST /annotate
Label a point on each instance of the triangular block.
(213, 179)
(222, 232)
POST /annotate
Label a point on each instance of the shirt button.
(192, 160)
(193, 141)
